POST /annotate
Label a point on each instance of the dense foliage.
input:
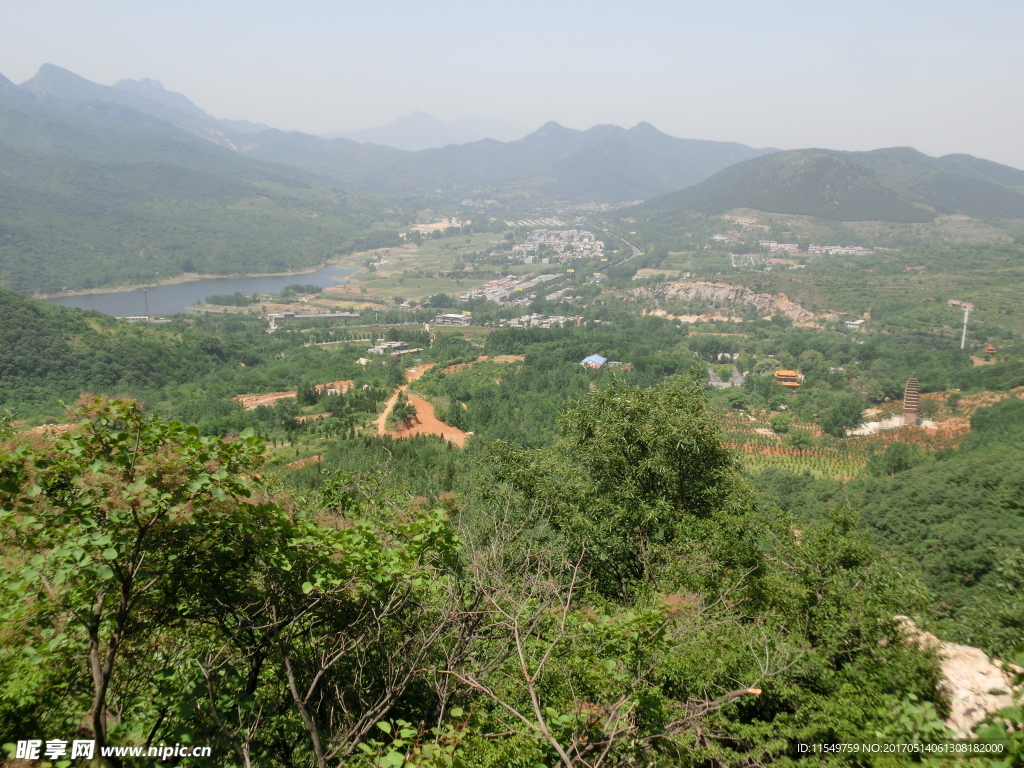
(206, 607)
(954, 515)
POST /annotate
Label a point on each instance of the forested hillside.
(898, 185)
(94, 194)
(51, 352)
(955, 516)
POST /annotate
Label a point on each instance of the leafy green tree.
(845, 414)
(402, 412)
(171, 604)
(306, 394)
(928, 408)
(800, 440)
(109, 524)
(898, 457)
(630, 465)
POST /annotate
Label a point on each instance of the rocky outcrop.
(766, 303)
(976, 685)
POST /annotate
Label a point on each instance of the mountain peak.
(6, 86)
(50, 77)
(154, 90)
(551, 127)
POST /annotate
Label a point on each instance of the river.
(181, 297)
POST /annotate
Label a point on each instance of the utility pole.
(963, 336)
(145, 297)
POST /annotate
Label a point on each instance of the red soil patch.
(428, 424)
(341, 387)
(250, 402)
(304, 462)
(414, 373)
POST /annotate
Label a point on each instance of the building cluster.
(598, 361)
(789, 379)
(144, 319)
(503, 288)
(334, 387)
(537, 320)
(559, 294)
(393, 348)
(551, 222)
(840, 250)
(274, 317)
(453, 319)
(834, 250)
(571, 243)
(776, 247)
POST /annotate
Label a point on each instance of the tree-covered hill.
(51, 351)
(890, 185)
(95, 194)
(616, 599)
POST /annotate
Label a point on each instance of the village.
(559, 245)
(833, 250)
(504, 287)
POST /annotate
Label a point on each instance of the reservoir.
(181, 297)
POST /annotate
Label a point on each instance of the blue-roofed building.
(594, 361)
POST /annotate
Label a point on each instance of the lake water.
(181, 297)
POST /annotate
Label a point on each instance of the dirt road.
(426, 422)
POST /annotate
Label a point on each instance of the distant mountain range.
(421, 131)
(898, 185)
(105, 185)
(603, 164)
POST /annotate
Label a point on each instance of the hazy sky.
(940, 76)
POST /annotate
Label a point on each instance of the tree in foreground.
(156, 595)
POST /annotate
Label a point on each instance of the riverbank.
(185, 277)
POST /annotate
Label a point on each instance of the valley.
(587, 448)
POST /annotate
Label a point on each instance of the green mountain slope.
(898, 185)
(943, 186)
(51, 351)
(95, 194)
